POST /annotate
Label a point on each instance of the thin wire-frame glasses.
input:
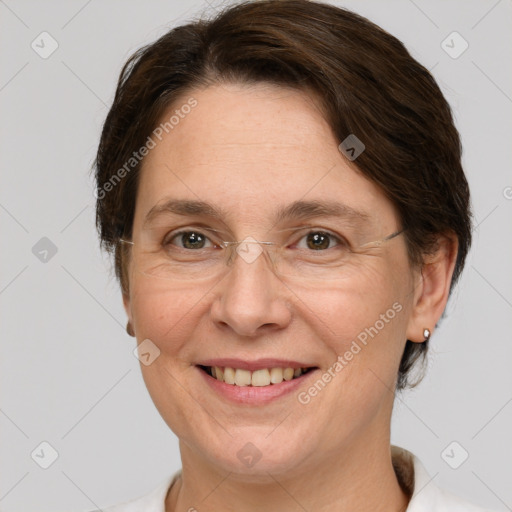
(166, 261)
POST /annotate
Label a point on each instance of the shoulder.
(426, 496)
(154, 501)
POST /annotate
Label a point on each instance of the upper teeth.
(263, 377)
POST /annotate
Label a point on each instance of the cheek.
(169, 318)
(165, 314)
(363, 323)
(345, 309)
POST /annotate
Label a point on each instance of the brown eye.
(189, 240)
(318, 241)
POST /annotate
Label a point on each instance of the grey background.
(68, 375)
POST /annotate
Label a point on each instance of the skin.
(249, 149)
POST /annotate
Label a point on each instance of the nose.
(251, 299)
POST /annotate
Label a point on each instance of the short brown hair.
(368, 84)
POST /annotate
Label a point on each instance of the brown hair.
(367, 82)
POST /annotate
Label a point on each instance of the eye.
(189, 240)
(320, 240)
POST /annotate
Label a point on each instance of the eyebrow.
(298, 210)
(303, 210)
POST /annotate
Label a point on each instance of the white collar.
(426, 496)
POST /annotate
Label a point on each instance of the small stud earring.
(129, 329)
(426, 334)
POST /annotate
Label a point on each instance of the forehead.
(252, 150)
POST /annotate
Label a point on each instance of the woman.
(282, 189)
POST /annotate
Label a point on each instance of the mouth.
(262, 377)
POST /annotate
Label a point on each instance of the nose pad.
(250, 249)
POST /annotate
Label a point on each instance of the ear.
(432, 288)
(128, 309)
(127, 305)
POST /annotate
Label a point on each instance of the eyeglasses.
(201, 257)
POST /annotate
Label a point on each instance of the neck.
(362, 480)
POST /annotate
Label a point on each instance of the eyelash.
(173, 235)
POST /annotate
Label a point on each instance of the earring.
(129, 329)
(426, 334)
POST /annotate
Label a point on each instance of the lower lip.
(254, 395)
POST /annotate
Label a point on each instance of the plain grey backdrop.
(69, 378)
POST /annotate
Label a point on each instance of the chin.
(256, 452)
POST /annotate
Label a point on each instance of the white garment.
(426, 496)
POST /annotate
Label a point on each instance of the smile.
(257, 378)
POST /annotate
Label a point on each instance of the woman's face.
(250, 151)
